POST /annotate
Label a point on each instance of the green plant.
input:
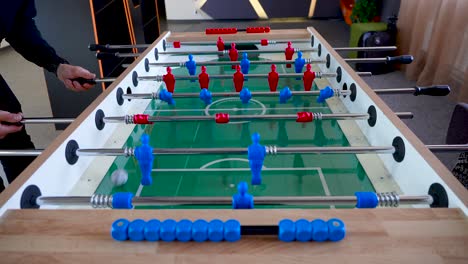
(364, 11)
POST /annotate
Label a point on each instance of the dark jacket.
(17, 26)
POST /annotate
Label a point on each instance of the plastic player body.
(165, 96)
(233, 54)
(191, 65)
(144, 155)
(245, 95)
(205, 96)
(169, 80)
(285, 95)
(245, 64)
(242, 199)
(256, 155)
(203, 78)
(238, 79)
(299, 63)
(308, 78)
(325, 93)
(288, 53)
(273, 78)
(220, 44)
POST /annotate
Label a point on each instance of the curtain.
(435, 32)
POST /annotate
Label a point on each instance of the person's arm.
(26, 39)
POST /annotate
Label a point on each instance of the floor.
(432, 114)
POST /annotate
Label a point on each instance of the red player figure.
(238, 79)
(273, 78)
(289, 52)
(233, 54)
(203, 78)
(308, 78)
(220, 44)
(169, 80)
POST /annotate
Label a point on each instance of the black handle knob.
(436, 90)
(96, 47)
(11, 124)
(84, 81)
(105, 55)
(403, 59)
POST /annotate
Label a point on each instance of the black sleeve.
(26, 39)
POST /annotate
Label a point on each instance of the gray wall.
(67, 26)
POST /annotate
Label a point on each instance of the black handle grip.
(11, 124)
(84, 81)
(96, 47)
(403, 59)
(105, 55)
(436, 90)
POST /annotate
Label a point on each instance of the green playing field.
(218, 175)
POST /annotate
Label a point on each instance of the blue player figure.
(144, 155)
(245, 64)
(299, 63)
(242, 199)
(245, 95)
(256, 155)
(191, 65)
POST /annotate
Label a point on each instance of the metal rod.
(20, 152)
(226, 200)
(395, 91)
(211, 52)
(226, 63)
(122, 119)
(405, 115)
(448, 148)
(230, 76)
(104, 80)
(240, 151)
(255, 42)
(382, 48)
(256, 117)
(46, 120)
(366, 60)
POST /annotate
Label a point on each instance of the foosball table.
(230, 155)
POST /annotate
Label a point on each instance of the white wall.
(185, 10)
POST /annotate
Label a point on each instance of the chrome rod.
(253, 117)
(20, 152)
(273, 150)
(46, 120)
(448, 148)
(105, 201)
(405, 115)
(382, 48)
(210, 52)
(230, 76)
(227, 63)
(270, 150)
(395, 91)
(255, 42)
(366, 60)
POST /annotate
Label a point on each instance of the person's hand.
(66, 73)
(10, 118)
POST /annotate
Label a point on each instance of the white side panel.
(414, 175)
